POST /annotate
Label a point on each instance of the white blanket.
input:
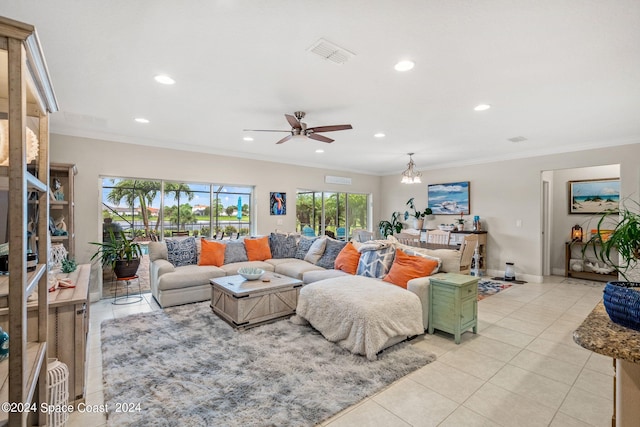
(360, 313)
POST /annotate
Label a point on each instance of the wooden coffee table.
(247, 303)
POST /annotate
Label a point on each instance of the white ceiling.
(565, 74)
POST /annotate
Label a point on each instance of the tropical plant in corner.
(620, 248)
(119, 253)
(389, 227)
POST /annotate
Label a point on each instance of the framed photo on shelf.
(592, 196)
(277, 203)
(449, 199)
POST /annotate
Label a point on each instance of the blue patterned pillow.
(234, 252)
(303, 247)
(182, 251)
(282, 246)
(376, 263)
(331, 251)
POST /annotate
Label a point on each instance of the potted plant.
(617, 244)
(119, 253)
(418, 216)
(389, 227)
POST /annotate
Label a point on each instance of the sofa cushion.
(316, 250)
(348, 258)
(315, 275)
(331, 251)
(282, 245)
(188, 276)
(182, 252)
(450, 259)
(303, 246)
(232, 268)
(158, 250)
(376, 263)
(277, 262)
(234, 252)
(406, 267)
(296, 268)
(257, 249)
(212, 253)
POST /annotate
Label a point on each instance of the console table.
(576, 248)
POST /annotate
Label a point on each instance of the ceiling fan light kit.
(411, 176)
(299, 128)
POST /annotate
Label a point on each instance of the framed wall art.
(449, 199)
(278, 203)
(592, 196)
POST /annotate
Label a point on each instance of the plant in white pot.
(617, 244)
(418, 216)
(121, 254)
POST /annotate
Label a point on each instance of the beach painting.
(594, 196)
(449, 199)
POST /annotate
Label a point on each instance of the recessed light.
(165, 80)
(142, 120)
(379, 135)
(404, 65)
(482, 107)
(319, 151)
(247, 138)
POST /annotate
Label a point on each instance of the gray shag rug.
(186, 367)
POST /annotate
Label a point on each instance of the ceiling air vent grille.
(517, 139)
(330, 51)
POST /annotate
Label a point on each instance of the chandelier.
(411, 176)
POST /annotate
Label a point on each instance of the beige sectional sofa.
(174, 285)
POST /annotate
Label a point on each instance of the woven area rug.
(187, 367)
(486, 288)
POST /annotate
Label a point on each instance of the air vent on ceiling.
(330, 51)
(517, 139)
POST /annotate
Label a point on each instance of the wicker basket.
(622, 302)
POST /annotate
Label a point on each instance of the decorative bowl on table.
(251, 273)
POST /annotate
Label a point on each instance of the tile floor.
(521, 369)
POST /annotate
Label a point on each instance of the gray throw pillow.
(331, 251)
(303, 247)
(282, 246)
(234, 252)
(376, 263)
(182, 251)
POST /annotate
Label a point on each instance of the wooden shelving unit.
(65, 207)
(26, 99)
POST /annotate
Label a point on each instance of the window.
(146, 209)
(334, 214)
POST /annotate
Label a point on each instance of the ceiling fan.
(300, 128)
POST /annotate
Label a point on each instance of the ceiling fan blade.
(285, 139)
(264, 130)
(295, 123)
(330, 128)
(319, 138)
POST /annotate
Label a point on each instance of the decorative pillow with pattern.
(303, 247)
(235, 251)
(376, 263)
(182, 251)
(331, 251)
(282, 245)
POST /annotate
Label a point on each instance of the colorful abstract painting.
(278, 203)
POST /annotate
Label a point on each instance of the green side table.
(453, 303)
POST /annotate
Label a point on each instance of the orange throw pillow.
(212, 253)
(406, 267)
(348, 258)
(257, 249)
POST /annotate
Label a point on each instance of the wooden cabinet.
(61, 204)
(67, 329)
(573, 255)
(26, 99)
(453, 303)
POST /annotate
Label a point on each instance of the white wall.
(507, 191)
(562, 220)
(96, 159)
